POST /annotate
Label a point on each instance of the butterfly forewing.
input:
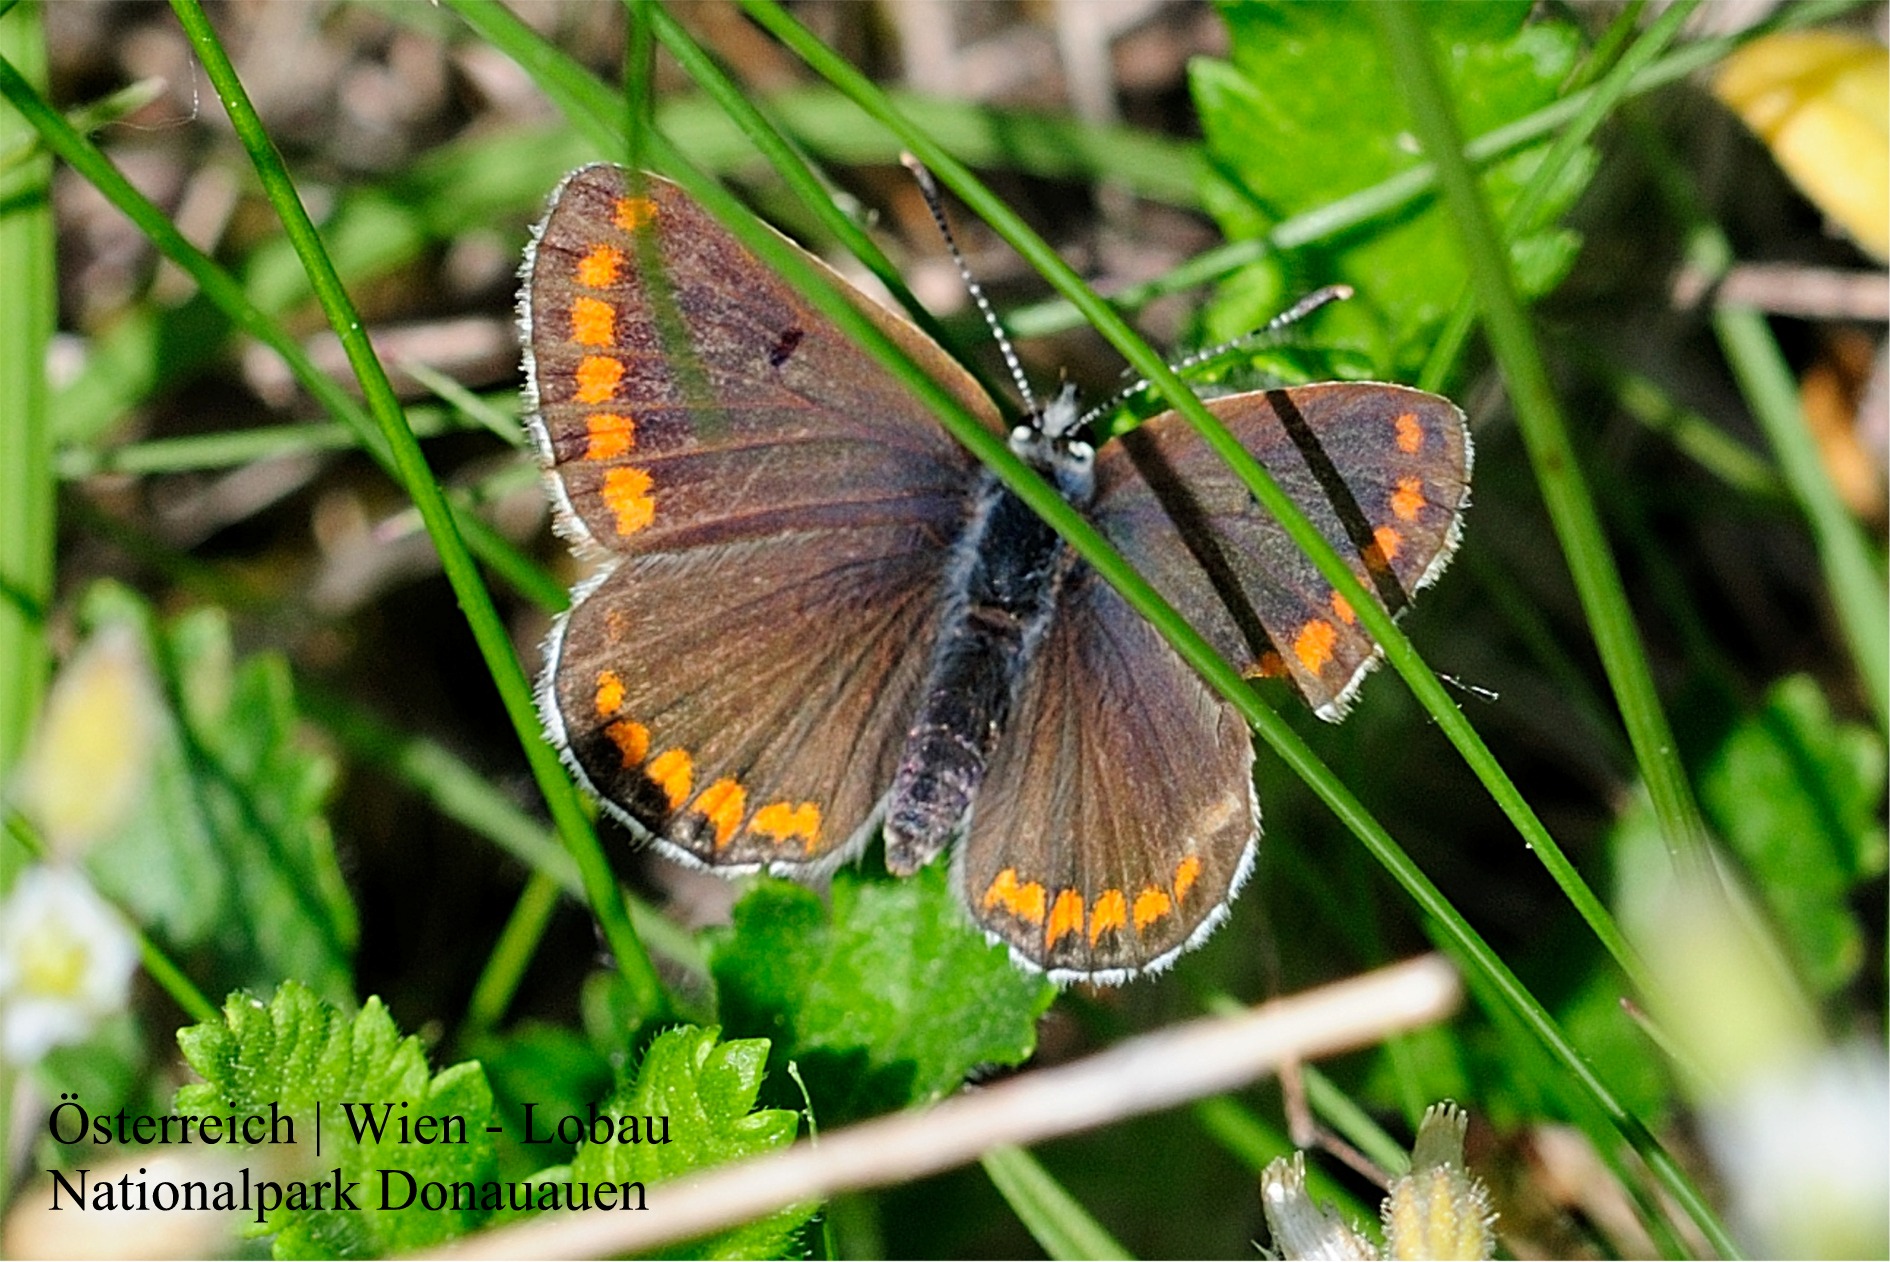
(780, 512)
(1382, 471)
(685, 395)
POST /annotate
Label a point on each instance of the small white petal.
(66, 960)
(1301, 1228)
(1805, 1150)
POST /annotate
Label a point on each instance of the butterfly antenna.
(1292, 315)
(928, 189)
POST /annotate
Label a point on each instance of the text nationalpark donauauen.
(382, 1124)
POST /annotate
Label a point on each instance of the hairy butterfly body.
(817, 616)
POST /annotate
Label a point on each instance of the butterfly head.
(1051, 441)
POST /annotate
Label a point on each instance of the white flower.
(66, 960)
(1803, 1149)
(1436, 1210)
(1302, 1228)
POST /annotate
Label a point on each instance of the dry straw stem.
(1147, 1074)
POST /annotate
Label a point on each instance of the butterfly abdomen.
(1007, 592)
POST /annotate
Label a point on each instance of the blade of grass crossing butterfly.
(1382, 470)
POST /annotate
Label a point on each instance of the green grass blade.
(1743, 470)
(1564, 493)
(1397, 648)
(1386, 197)
(1855, 581)
(1056, 1220)
(1855, 578)
(27, 534)
(26, 478)
(1598, 104)
(793, 168)
(1298, 757)
(228, 449)
(229, 297)
(511, 956)
(475, 601)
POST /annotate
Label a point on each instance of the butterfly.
(817, 618)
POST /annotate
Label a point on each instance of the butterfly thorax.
(1008, 570)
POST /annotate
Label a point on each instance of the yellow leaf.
(91, 757)
(1821, 102)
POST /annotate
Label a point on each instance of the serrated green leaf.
(1795, 793)
(889, 1001)
(698, 1095)
(297, 1052)
(1305, 112)
(231, 849)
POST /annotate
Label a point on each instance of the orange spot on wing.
(1408, 500)
(593, 322)
(1343, 607)
(597, 378)
(781, 821)
(1313, 646)
(610, 435)
(1066, 917)
(599, 268)
(1150, 906)
(721, 804)
(1389, 541)
(1410, 433)
(674, 772)
(1186, 873)
(627, 494)
(1110, 912)
(631, 739)
(1024, 900)
(634, 212)
(609, 693)
(1270, 665)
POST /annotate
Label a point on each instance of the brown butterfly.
(819, 618)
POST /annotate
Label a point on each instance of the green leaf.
(890, 1000)
(1796, 795)
(698, 1095)
(231, 850)
(557, 1069)
(1306, 112)
(297, 1052)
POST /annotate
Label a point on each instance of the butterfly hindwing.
(777, 513)
(1382, 471)
(1118, 815)
(744, 703)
